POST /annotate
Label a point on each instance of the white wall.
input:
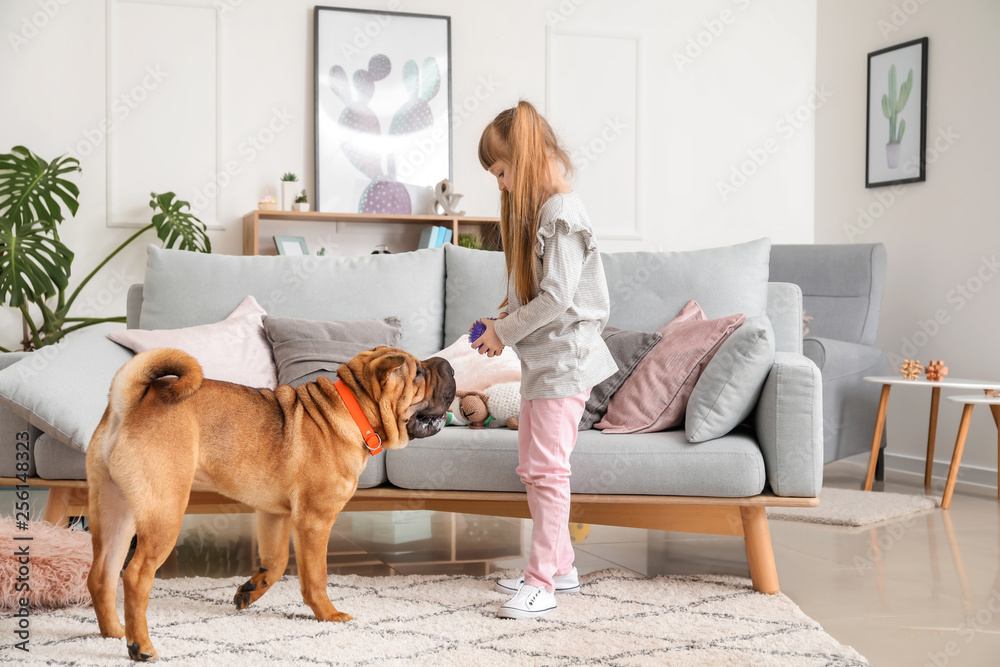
(942, 235)
(722, 149)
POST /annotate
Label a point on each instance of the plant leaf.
(174, 224)
(33, 265)
(32, 189)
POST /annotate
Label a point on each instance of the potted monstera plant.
(35, 198)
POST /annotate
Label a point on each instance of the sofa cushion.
(647, 289)
(627, 348)
(59, 461)
(63, 389)
(728, 389)
(407, 285)
(56, 460)
(477, 372)
(233, 350)
(665, 463)
(304, 349)
(15, 429)
(475, 286)
(655, 396)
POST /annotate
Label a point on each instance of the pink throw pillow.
(655, 396)
(234, 350)
(477, 372)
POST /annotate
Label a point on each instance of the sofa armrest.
(789, 424)
(838, 358)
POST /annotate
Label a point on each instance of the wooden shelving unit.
(251, 222)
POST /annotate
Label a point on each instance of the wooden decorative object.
(911, 369)
(935, 371)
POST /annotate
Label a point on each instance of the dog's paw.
(242, 598)
(339, 617)
(138, 655)
(114, 632)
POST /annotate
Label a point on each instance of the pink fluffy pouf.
(58, 564)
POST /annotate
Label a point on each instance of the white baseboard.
(910, 470)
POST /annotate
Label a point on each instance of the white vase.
(300, 207)
(892, 154)
(289, 190)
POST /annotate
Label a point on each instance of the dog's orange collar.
(373, 443)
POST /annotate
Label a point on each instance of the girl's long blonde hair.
(524, 140)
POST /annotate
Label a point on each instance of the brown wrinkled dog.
(294, 455)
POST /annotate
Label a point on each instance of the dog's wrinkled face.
(413, 396)
(434, 391)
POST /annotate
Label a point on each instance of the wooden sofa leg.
(56, 506)
(757, 537)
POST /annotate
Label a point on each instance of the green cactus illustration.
(893, 103)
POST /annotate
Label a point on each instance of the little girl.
(556, 308)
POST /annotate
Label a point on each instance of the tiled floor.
(919, 591)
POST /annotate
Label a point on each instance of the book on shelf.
(446, 235)
(426, 236)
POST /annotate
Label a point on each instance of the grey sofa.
(655, 480)
(842, 291)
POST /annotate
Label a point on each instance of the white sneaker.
(528, 602)
(564, 583)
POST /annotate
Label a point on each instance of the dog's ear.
(387, 366)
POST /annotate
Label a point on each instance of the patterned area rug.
(851, 507)
(619, 618)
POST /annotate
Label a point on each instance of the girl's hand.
(489, 344)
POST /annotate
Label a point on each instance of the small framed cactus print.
(896, 137)
(383, 110)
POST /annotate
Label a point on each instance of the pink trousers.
(546, 435)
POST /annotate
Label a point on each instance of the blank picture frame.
(291, 245)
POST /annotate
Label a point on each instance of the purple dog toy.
(477, 330)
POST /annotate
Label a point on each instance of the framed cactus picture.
(896, 138)
(383, 110)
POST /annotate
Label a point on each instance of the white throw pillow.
(234, 350)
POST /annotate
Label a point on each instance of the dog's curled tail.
(134, 378)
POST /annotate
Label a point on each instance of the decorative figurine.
(445, 200)
(936, 370)
(911, 369)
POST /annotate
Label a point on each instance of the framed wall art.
(383, 110)
(896, 136)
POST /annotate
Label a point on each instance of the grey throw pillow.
(305, 349)
(730, 385)
(63, 389)
(627, 348)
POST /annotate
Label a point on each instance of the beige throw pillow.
(234, 350)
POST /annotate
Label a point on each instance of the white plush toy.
(498, 406)
(504, 403)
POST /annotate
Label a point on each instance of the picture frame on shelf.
(896, 134)
(382, 110)
(291, 245)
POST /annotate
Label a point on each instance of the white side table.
(887, 382)
(991, 399)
